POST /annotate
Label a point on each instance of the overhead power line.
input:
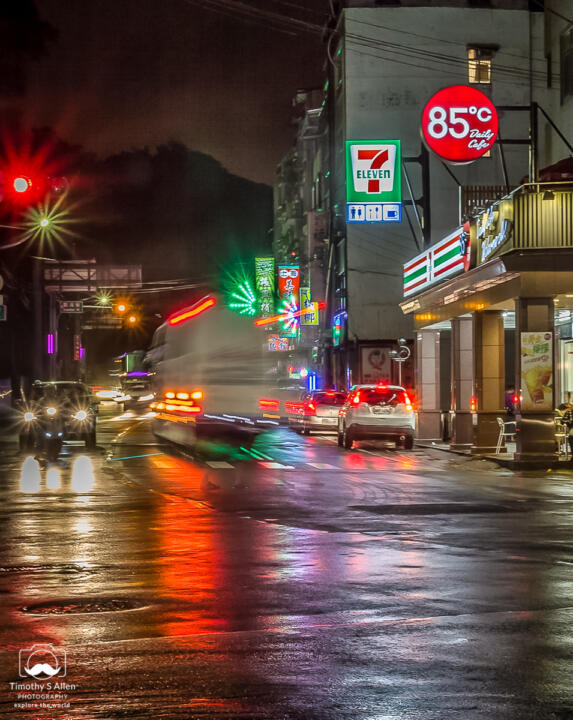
(277, 20)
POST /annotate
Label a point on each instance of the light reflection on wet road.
(290, 579)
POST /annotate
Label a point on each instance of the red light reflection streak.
(285, 316)
(186, 315)
(209, 562)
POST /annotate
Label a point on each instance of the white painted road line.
(322, 466)
(218, 464)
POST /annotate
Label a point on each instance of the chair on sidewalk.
(504, 432)
(562, 438)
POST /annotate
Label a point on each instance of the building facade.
(384, 62)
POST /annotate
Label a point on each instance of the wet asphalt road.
(292, 579)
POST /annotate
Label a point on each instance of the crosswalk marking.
(276, 466)
(322, 466)
(218, 464)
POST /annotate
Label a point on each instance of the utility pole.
(38, 362)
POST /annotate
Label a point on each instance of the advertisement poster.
(289, 280)
(276, 343)
(376, 364)
(309, 318)
(537, 371)
(265, 284)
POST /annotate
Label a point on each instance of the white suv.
(376, 412)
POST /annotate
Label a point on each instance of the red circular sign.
(459, 123)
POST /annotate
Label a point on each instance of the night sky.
(130, 73)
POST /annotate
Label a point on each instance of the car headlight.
(29, 416)
(51, 411)
(81, 415)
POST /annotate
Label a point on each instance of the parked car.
(376, 412)
(317, 410)
(55, 412)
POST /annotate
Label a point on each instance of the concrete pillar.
(489, 386)
(462, 381)
(428, 384)
(534, 375)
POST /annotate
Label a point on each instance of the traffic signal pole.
(39, 345)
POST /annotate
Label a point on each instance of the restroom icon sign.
(373, 212)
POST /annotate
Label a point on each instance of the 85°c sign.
(460, 124)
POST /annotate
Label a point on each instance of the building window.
(566, 64)
(479, 66)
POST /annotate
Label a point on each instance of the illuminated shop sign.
(494, 230)
(373, 181)
(277, 343)
(289, 280)
(449, 257)
(459, 124)
(265, 284)
(338, 326)
(306, 303)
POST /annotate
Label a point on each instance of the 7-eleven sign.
(373, 171)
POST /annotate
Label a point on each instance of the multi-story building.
(495, 334)
(300, 234)
(386, 61)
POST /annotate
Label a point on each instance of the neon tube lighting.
(205, 305)
(284, 316)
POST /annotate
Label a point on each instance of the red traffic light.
(22, 184)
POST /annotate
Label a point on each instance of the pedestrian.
(567, 420)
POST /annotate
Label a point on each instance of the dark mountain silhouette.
(177, 212)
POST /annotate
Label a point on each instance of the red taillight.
(356, 399)
(269, 404)
(310, 409)
(515, 399)
(329, 394)
(408, 402)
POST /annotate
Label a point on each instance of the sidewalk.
(505, 459)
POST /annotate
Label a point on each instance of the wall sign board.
(451, 256)
(459, 124)
(373, 181)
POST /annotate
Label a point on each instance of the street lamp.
(400, 356)
(103, 298)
